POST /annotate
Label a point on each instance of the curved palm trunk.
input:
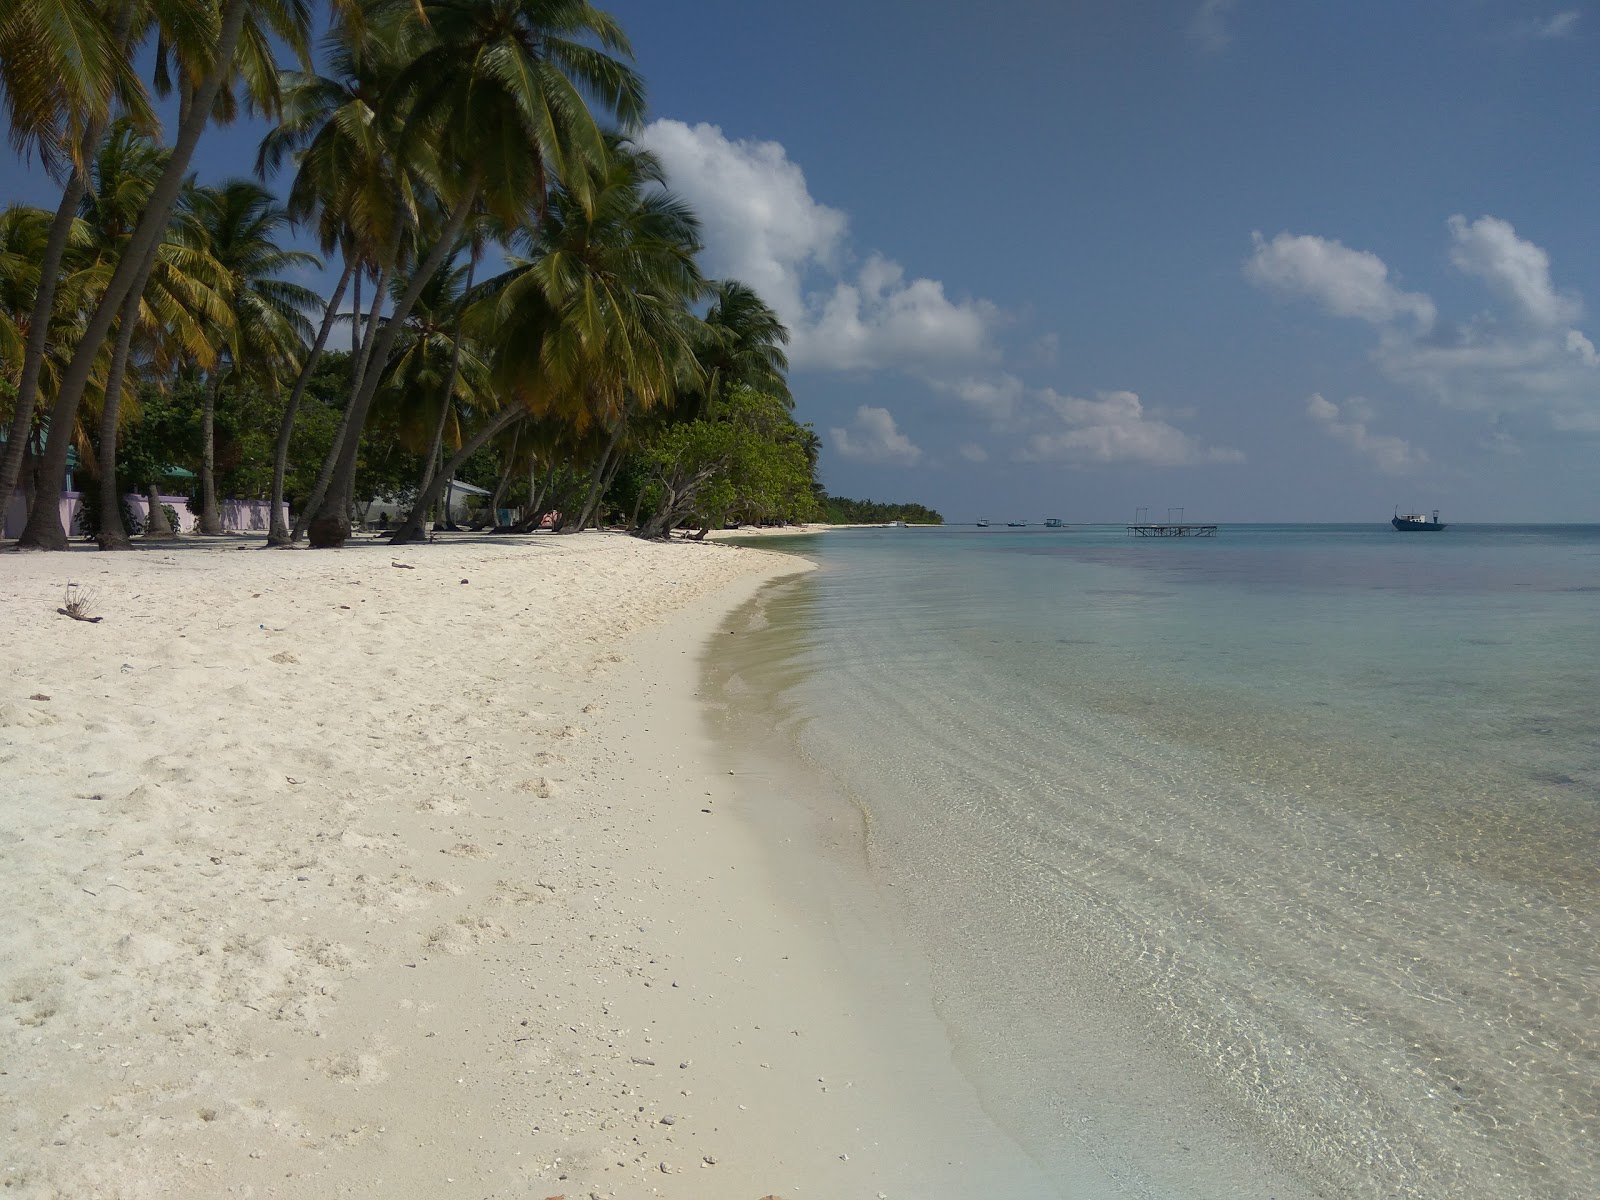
(505, 482)
(156, 524)
(112, 535)
(411, 528)
(44, 531)
(599, 480)
(39, 329)
(278, 533)
(330, 528)
(44, 296)
(437, 444)
(319, 490)
(210, 514)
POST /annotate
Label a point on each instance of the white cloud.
(762, 226)
(1558, 25)
(1528, 359)
(1348, 283)
(874, 437)
(1391, 455)
(1515, 269)
(1114, 428)
(998, 398)
(973, 452)
(1209, 26)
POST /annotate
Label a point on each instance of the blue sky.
(1266, 261)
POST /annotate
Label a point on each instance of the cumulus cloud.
(1527, 357)
(1516, 270)
(874, 437)
(761, 225)
(1208, 28)
(1348, 283)
(1114, 428)
(973, 452)
(1391, 455)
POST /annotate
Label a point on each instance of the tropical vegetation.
(518, 303)
(836, 510)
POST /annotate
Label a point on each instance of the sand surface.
(328, 876)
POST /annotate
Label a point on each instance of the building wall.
(238, 516)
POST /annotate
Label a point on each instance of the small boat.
(1016, 524)
(1417, 522)
(984, 523)
(1054, 523)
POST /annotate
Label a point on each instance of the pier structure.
(1173, 526)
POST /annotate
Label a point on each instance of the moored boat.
(1417, 522)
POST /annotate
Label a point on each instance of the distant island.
(837, 510)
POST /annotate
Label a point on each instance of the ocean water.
(1271, 857)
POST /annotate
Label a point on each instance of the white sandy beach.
(328, 877)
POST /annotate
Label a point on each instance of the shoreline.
(316, 900)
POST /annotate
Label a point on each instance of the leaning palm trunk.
(411, 528)
(44, 296)
(44, 531)
(330, 528)
(597, 482)
(436, 447)
(493, 519)
(331, 462)
(369, 330)
(111, 535)
(156, 524)
(278, 533)
(210, 515)
(39, 329)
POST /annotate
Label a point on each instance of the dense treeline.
(152, 321)
(836, 510)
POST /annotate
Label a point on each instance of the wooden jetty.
(1165, 530)
(1173, 526)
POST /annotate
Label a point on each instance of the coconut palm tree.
(437, 375)
(206, 70)
(595, 322)
(504, 84)
(744, 345)
(241, 222)
(349, 183)
(62, 66)
(179, 311)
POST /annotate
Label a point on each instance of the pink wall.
(238, 516)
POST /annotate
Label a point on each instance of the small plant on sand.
(80, 604)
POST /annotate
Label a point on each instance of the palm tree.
(744, 345)
(348, 181)
(61, 66)
(437, 375)
(241, 222)
(596, 320)
(205, 73)
(503, 84)
(22, 237)
(180, 309)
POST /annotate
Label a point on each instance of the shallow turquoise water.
(1290, 834)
